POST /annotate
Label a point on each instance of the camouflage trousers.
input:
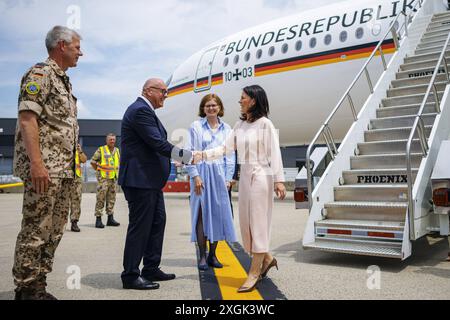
(106, 193)
(43, 223)
(75, 200)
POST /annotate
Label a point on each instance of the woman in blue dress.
(210, 181)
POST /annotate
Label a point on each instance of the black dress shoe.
(159, 275)
(140, 284)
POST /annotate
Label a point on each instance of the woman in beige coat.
(257, 145)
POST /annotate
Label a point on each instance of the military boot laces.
(99, 224)
(111, 222)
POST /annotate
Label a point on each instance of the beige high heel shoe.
(273, 263)
(243, 289)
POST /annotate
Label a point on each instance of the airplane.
(305, 62)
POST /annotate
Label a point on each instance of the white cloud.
(83, 111)
(125, 42)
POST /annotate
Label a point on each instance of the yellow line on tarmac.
(232, 275)
(4, 186)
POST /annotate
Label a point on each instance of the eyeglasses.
(210, 106)
(164, 92)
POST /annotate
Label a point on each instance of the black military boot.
(98, 223)
(74, 226)
(33, 294)
(111, 222)
(44, 295)
(18, 294)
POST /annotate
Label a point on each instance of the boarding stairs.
(368, 210)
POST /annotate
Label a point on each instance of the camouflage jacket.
(45, 90)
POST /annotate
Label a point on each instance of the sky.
(124, 42)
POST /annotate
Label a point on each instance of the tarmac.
(93, 259)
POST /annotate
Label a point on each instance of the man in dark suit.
(144, 170)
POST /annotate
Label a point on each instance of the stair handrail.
(325, 129)
(419, 126)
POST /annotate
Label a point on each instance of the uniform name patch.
(32, 88)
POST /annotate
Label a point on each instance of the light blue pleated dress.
(214, 201)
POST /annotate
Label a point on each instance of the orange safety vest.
(109, 166)
(78, 171)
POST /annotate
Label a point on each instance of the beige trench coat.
(259, 155)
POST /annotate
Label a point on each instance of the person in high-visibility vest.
(106, 163)
(75, 200)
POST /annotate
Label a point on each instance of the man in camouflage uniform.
(46, 135)
(75, 199)
(106, 163)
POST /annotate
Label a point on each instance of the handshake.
(197, 156)
(181, 156)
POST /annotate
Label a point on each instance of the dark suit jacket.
(145, 158)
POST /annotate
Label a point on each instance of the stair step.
(426, 56)
(405, 110)
(383, 161)
(366, 210)
(356, 247)
(360, 229)
(363, 224)
(440, 22)
(372, 192)
(441, 15)
(438, 28)
(351, 230)
(431, 63)
(435, 37)
(391, 134)
(414, 89)
(359, 205)
(386, 147)
(431, 43)
(424, 80)
(378, 176)
(428, 34)
(401, 121)
(421, 72)
(408, 99)
(428, 49)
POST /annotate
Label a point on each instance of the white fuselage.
(305, 62)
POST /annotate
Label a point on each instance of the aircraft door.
(203, 75)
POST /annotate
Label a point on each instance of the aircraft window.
(225, 62)
(343, 36)
(271, 51)
(236, 59)
(259, 54)
(327, 39)
(376, 29)
(298, 45)
(312, 42)
(285, 48)
(247, 56)
(359, 33)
